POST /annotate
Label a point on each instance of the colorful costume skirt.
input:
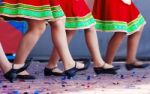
(78, 15)
(116, 16)
(31, 9)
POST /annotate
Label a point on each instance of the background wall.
(78, 47)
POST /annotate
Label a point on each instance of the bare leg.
(92, 43)
(35, 30)
(5, 65)
(133, 42)
(54, 58)
(60, 41)
(113, 46)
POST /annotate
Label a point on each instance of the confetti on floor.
(136, 81)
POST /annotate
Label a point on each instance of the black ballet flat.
(71, 72)
(86, 65)
(132, 66)
(49, 72)
(12, 73)
(25, 77)
(101, 70)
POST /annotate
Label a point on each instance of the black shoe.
(49, 72)
(26, 77)
(101, 70)
(86, 65)
(71, 72)
(132, 66)
(12, 73)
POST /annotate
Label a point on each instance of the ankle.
(18, 66)
(51, 66)
(131, 61)
(109, 62)
(98, 64)
(69, 66)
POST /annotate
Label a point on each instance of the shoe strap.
(53, 68)
(103, 65)
(75, 65)
(13, 66)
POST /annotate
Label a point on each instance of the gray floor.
(85, 82)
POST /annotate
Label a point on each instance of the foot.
(106, 69)
(135, 64)
(54, 71)
(83, 65)
(25, 76)
(10, 73)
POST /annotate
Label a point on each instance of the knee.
(56, 24)
(91, 29)
(120, 34)
(37, 29)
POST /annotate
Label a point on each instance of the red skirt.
(116, 16)
(32, 9)
(78, 15)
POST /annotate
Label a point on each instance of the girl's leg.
(113, 46)
(60, 41)
(35, 30)
(5, 65)
(133, 42)
(92, 43)
(51, 68)
(54, 58)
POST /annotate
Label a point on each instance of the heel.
(132, 66)
(71, 72)
(11, 74)
(129, 67)
(101, 70)
(86, 65)
(49, 72)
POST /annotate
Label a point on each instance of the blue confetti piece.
(133, 74)
(16, 92)
(63, 78)
(63, 85)
(36, 92)
(144, 77)
(88, 78)
(122, 76)
(1, 84)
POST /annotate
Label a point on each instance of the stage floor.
(85, 82)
